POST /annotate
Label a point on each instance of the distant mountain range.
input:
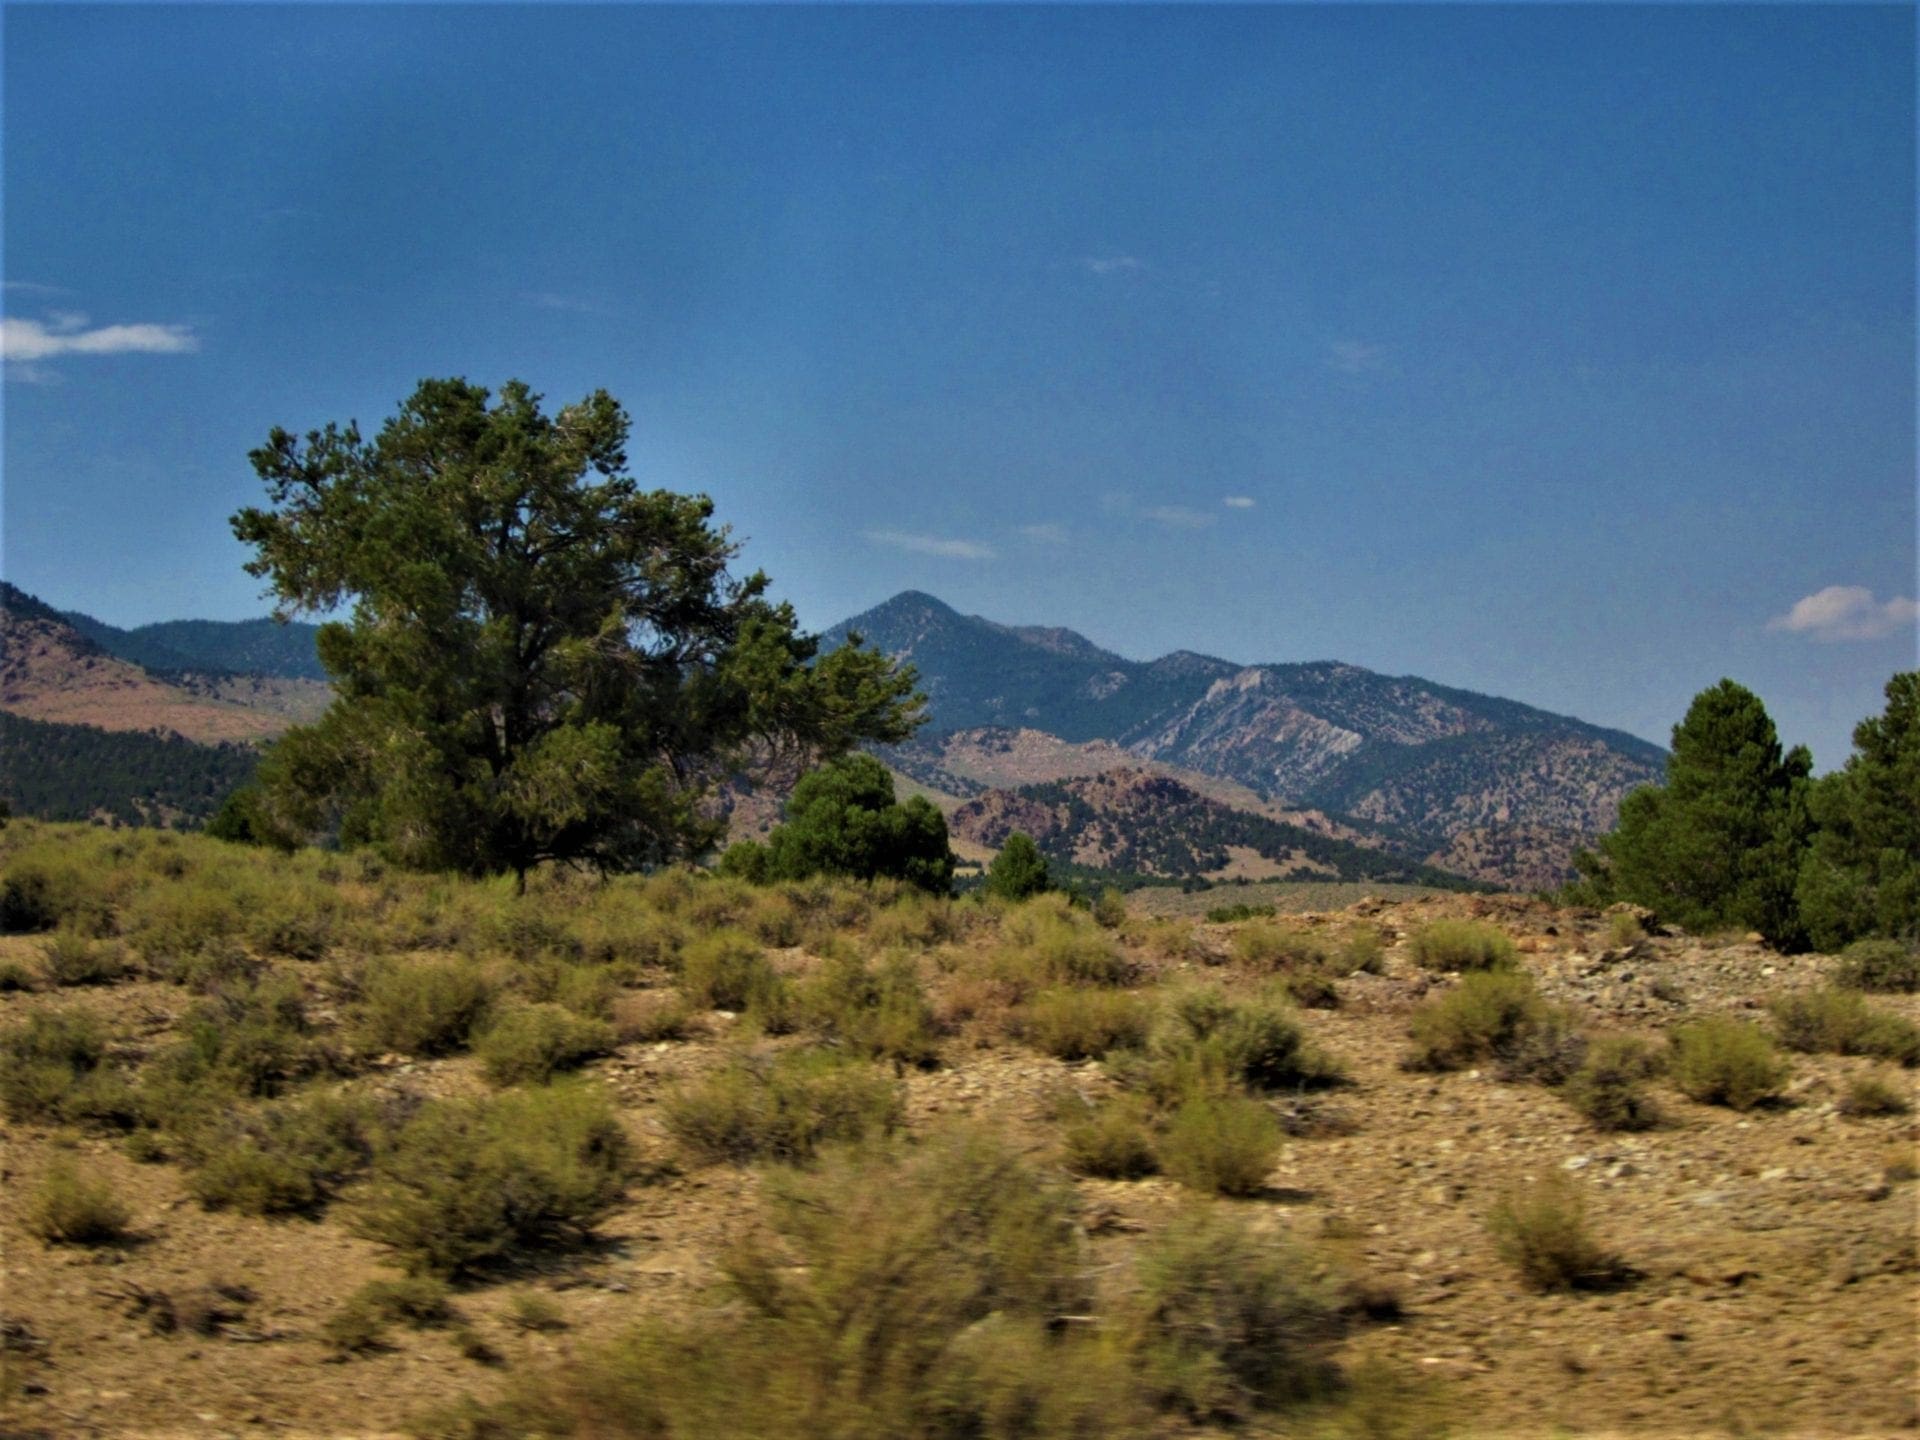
(1504, 790)
(1185, 764)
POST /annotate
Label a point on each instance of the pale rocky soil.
(1775, 1262)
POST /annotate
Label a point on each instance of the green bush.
(533, 1043)
(1542, 1232)
(1495, 1017)
(1885, 965)
(1047, 943)
(1228, 914)
(424, 1007)
(535, 1313)
(294, 921)
(1074, 1024)
(882, 1015)
(784, 1108)
(466, 1184)
(74, 1209)
(420, 1301)
(1869, 1095)
(1207, 1044)
(1019, 871)
(1609, 1087)
(1227, 1323)
(727, 970)
(1271, 947)
(168, 922)
(1113, 1140)
(1841, 1022)
(1221, 1145)
(52, 1069)
(1463, 945)
(287, 1158)
(73, 958)
(249, 1038)
(912, 1295)
(44, 889)
(1312, 990)
(1364, 953)
(1720, 1061)
(1110, 909)
(15, 977)
(650, 1017)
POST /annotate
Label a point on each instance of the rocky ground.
(1770, 1282)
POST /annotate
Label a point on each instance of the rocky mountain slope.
(1142, 823)
(1427, 761)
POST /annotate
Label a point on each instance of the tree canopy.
(1720, 844)
(1861, 874)
(543, 661)
(842, 819)
(1019, 870)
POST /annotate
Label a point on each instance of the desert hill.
(1138, 822)
(1426, 761)
(50, 671)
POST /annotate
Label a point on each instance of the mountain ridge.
(1433, 761)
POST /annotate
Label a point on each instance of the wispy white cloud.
(1847, 612)
(1239, 502)
(1178, 517)
(1048, 534)
(1112, 264)
(66, 333)
(29, 287)
(1354, 357)
(941, 545)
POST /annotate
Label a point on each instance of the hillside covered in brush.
(1136, 822)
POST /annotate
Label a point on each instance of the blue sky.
(1561, 353)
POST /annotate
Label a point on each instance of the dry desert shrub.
(71, 1208)
(1220, 1145)
(464, 1185)
(1077, 1024)
(1111, 1140)
(1720, 1061)
(1541, 1230)
(782, 1108)
(1609, 1088)
(1463, 945)
(1871, 1095)
(880, 1013)
(1838, 1021)
(425, 1007)
(533, 1043)
(1498, 1017)
(1891, 966)
(1272, 947)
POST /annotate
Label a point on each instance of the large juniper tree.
(544, 661)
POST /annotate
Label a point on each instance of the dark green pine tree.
(1019, 870)
(1861, 876)
(842, 819)
(1720, 844)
